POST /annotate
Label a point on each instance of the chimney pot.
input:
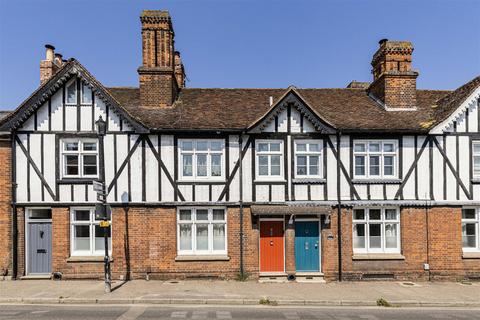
(382, 41)
(49, 52)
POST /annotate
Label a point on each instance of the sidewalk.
(439, 294)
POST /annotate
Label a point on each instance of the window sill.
(377, 181)
(267, 181)
(471, 255)
(378, 256)
(76, 180)
(309, 180)
(87, 259)
(476, 181)
(202, 258)
(201, 181)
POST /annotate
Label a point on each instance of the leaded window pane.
(86, 94)
(72, 93)
(187, 166)
(201, 165)
(216, 165)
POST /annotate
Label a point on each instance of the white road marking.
(368, 317)
(291, 315)
(224, 315)
(132, 313)
(179, 314)
(39, 311)
(199, 315)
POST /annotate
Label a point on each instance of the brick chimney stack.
(160, 78)
(48, 67)
(394, 81)
(179, 70)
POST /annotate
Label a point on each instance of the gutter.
(240, 173)
(14, 212)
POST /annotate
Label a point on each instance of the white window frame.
(80, 153)
(74, 83)
(475, 221)
(308, 154)
(475, 155)
(91, 223)
(83, 85)
(193, 221)
(269, 154)
(194, 152)
(367, 221)
(381, 153)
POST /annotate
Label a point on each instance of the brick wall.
(443, 253)
(5, 209)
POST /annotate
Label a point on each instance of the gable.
(291, 114)
(465, 118)
(47, 108)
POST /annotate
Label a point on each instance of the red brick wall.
(444, 252)
(5, 209)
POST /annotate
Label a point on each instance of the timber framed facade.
(375, 181)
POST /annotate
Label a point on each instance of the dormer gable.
(291, 113)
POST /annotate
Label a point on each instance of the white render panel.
(216, 191)
(42, 117)
(49, 163)
(122, 181)
(167, 158)
(201, 193)
(317, 192)
(247, 171)
(35, 182)
(86, 118)
(423, 171)
(288, 177)
(295, 121)
(473, 118)
(65, 192)
(151, 168)
(464, 170)
(362, 191)
(21, 168)
(70, 118)
(345, 158)
(109, 168)
(332, 171)
(451, 181)
(233, 160)
(437, 163)
(262, 193)
(308, 126)
(100, 109)
(136, 173)
(79, 193)
(57, 111)
(461, 123)
(391, 190)
(113, 120)
(187, 191)
(301, 192)
(278, 193)
(408, 159)
(376, 191)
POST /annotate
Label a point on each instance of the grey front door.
(39, 247)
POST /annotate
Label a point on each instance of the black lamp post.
(101, 132)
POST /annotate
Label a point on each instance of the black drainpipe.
(240, 173)
(339, 210)
(14, 211)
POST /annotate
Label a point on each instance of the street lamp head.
(101, 126)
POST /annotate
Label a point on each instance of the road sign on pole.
(98, 186)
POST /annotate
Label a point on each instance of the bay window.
(375, 159)
(308, 155)
(86, 235)
(470, 229)
(201, 231)
(201, 159)
(376, 230)
(269, 160)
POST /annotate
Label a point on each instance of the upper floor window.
(269, 159)
(201, 159)
(308, 154)
(376, 230)
(72, 93)
(86, 235)
(86, 94)
(202, 231)
(79, 158)
(375, 159)
(471, 229)
(476, 158)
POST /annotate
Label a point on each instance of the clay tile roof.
(236, 109)
(450, 102)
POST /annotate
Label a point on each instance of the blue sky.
(241, 43)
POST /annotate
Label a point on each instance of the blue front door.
(307, 246)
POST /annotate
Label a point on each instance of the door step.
(310, 277)
(272, 277)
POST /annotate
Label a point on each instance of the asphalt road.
(54, 312)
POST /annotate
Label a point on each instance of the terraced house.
(376, 180)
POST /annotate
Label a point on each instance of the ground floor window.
(471, 229)
(86, 235)
(202, 231)
(376, 230)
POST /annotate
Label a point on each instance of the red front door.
(271, 246)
